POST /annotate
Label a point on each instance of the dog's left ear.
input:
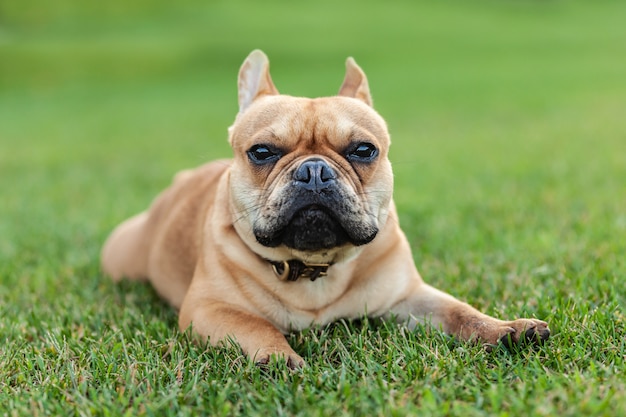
(355, 84)
(254, 79)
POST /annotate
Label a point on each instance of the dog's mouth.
(313, 228)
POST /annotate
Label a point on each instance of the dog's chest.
(302, 304)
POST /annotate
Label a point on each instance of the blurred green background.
(98, 96)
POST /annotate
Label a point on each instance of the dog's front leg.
(218, 321)
(429, 305)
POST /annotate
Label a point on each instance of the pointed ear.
(254, 79)
(355, 84)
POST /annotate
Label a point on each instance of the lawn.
(509, 151)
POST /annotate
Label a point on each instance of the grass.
(509, 153)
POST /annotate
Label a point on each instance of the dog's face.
(311, 178)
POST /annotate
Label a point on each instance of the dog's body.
(299, 229)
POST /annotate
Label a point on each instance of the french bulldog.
(298, 229)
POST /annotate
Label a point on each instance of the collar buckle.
(294, 269)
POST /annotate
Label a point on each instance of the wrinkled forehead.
(294, 118)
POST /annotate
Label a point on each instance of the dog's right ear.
(355, 83)
(254, 79)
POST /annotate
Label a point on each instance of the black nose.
(314, 174)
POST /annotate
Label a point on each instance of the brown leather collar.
(294, 269)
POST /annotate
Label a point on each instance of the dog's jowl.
(299, 228)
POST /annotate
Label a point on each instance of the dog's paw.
(292, 359)
(523, 332)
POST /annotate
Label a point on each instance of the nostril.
(303, 173)
(314, 174)
(327, 173)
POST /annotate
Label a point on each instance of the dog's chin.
(311, 229)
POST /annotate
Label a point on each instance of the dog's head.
(310, 179)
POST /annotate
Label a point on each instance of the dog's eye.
(263, 154)
(362, 152)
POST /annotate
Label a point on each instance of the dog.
(298, 229)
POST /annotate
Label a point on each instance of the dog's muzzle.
(317, 215)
